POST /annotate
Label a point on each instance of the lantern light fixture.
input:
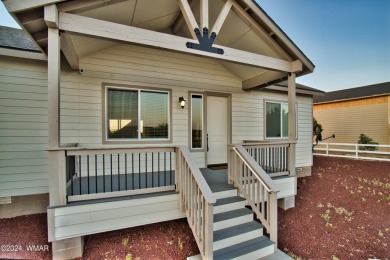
(182, 102)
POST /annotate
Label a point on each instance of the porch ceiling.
(239, 31)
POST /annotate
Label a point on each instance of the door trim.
(229, 116)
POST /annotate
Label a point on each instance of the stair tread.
(242, 248)
(228, 200)
(231, 214)
(236, 230)
(220, 187)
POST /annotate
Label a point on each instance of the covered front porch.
(110, 188)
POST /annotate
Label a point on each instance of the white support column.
(53, 79)
(291, 122)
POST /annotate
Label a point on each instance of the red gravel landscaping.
(342, 212)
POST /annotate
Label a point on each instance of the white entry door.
(217, 129)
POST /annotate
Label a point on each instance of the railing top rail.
(351, 144)
(265, 145)
(203, 186)
(255, 167)
(114, 149)
(262, 142)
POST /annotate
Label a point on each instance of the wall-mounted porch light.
(182, 102)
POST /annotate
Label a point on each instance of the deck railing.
(93, 173)
(256, 187)
(272, 157)
(197, 200)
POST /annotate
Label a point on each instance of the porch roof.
(246, 29)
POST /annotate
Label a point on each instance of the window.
(196, 121)
(136, 114)
(276, 120)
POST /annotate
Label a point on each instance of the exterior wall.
(81, 95)
(349, 119)
(23, 106)
(23, 127)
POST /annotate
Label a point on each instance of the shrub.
(364, 139)
(315, 125)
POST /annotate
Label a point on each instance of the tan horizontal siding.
(349, 122)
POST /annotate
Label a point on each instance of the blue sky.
(347, 40)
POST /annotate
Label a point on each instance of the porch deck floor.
(216, 179)
(108, 183)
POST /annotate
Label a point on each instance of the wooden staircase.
(236, 234)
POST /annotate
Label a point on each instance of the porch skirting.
(84, 218)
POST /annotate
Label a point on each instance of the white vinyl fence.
(356, 151)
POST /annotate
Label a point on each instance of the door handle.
(207, 142)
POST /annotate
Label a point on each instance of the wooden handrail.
(255, 167)
(196, 200)
(256, 187)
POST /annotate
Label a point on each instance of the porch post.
(291, 122)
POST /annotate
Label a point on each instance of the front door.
(217, 129)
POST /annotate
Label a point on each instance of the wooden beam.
(51, 16)
(77, 6)
(296, 66)
(69, 51)
(14, 6)
(98, 28)
(31, 17)
(292, 116)
(260, 31)
(261, 79)
(222, 16)
(188, 17)
(204, 14)
(40, 37)
(179, 22)
(53, 81)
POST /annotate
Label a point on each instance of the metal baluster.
(119, 173)
(88, 172)
(104, 175)
(126, 171)
(80, 172)
(96, 187)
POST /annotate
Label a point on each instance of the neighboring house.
(112, 107)
(351, 112)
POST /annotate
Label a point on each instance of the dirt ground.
(342, 212)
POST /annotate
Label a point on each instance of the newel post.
(273, 221)
(208, 230)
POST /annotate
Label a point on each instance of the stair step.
(228, 204)
(232, 218)
(251, 249)
(237, 234)
(225, 193)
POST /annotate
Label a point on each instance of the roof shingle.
(13, 38)
(352, 93)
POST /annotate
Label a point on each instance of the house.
(351, 112)
(115, 109)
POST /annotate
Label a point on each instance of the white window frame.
(202, 149)
(281, 120)
(107, 140)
